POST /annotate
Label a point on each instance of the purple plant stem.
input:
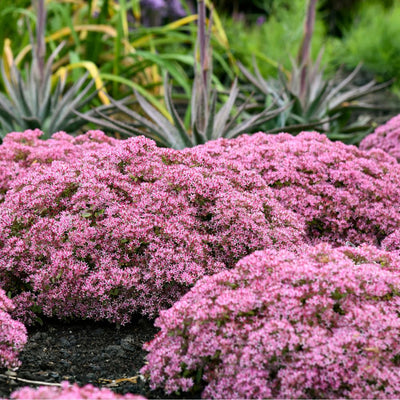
(304, 53)
(201, 26)
(40, 42)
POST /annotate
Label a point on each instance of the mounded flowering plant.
(130, 228)
(320, 323)
(392, 242)
(344, 194)
(70, 392)
(12, 334)
(22, 150)
(385, 137)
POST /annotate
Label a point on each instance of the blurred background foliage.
(133, 45)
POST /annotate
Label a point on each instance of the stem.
(201, 29)
(40, 39)
(303, 56)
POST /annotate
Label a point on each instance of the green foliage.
(205, 120)
(314, 102)
(374, 40)
(275, 41)
(32, 100)
(9, 18)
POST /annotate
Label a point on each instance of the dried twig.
(39, 383)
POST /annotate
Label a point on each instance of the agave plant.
(33, 101)
(206, 122)
(313, 101)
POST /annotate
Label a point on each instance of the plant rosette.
(323, 323)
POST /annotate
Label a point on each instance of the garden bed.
(85, 352)
(127, 229)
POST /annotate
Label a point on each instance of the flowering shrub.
(12, 334)
(323, 323)
(343, 193)
(385, 137)
(130, 228)
(21, 150)
(70, 392)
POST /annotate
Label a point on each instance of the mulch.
(102, 354)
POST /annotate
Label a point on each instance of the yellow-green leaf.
(94, 73)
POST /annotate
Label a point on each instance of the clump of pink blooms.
(392, 242)
(344, 194)
(12, 334)
(70, 392)
(385, 137)
(130, 228)
(320, 323)
(22, 150)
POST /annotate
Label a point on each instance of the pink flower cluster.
(385, 137)
(21, 150)
(392, 242)
(344, 194)
(12, 334)
(130, 228)
(70, 392)
(320, 323)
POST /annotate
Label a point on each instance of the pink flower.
(130, 228)
(70, 392)
(320, 323)
(344, 194)
(12, 334)
(385, 137)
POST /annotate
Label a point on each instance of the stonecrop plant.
(385, 137)
(13, 335)
(70, 392)
(130, 229)
(320, 323)
(344, 194)
(23, 150)
(392, 242)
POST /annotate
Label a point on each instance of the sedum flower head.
(70, 392)
(22, 150)
(12, 334)
(344, 194)
(385, 137)
(321, 323)
(131, 227)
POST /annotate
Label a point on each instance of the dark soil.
(85, 352)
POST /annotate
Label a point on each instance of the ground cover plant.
(130, 228)
(70, 392)
(22, 150)
(271, 261)
(344, 194)
(320, 323)
(385, 137)
(12, 334)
